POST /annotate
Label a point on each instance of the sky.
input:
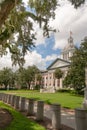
(67, 19)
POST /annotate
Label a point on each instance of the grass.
(20, 122)
(65, 99)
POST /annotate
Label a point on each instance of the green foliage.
(64, 90)
(37, 87)
(76, 74)
(7, 77)
(38, 77)
(77, 3)
(58, 73)
(65, 99)
(20, 22)
(20, 122)
(26, 76)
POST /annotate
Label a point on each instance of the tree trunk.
(29, 84)
(6, 7)
(5, 86)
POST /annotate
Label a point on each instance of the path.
(67, 116)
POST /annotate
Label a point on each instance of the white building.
(50, 83)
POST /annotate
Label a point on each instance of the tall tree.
(16, 19)
(77, 3)
(26, 76)
(58, 73)
(20, 23)
(76, 73)
(6, 77)
(38, 78)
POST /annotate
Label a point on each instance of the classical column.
(85, 90)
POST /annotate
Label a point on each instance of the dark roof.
(44, 71)
(56, 61)
(58, 67)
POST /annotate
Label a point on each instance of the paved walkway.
(67, 116)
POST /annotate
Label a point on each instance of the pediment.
(58, 63)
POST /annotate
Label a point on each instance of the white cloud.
(40, 39)
(69, 19)
(5, 61)
(31, 58)
(25, 1)
(34, 58)
(51, 57)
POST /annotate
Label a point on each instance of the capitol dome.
(69, 49)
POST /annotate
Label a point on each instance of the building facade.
(50, 83)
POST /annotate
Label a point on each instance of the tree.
(19, 23)
(17, 20)
(58, 73)
(6, 77)
(38, 78)
(26, 76)
(6, 7)
(20, 78)
(30, 75)
(77, 3)
(76, 73)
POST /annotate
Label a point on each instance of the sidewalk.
(67, 116)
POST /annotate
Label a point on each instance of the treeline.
(23, 78)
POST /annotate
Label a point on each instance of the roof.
(56, 61)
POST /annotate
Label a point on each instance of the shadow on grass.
(66, 107)
(48, 101)
(20, 122)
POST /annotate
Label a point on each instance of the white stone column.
(22, 104)
(81, 119)
(40, 111)
(61, 83)
(56, 116)
(30, 110)
(85, 90)
(13, 100)
(17, 99)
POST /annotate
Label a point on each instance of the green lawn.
(20, 122)
(65, 99)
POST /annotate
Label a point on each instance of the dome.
(70, 44)
(68, 50)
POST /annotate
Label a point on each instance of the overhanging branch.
(6, 7)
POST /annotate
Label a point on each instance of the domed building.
(68, 49)
(50, 83)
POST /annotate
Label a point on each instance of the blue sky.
(48, 49)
